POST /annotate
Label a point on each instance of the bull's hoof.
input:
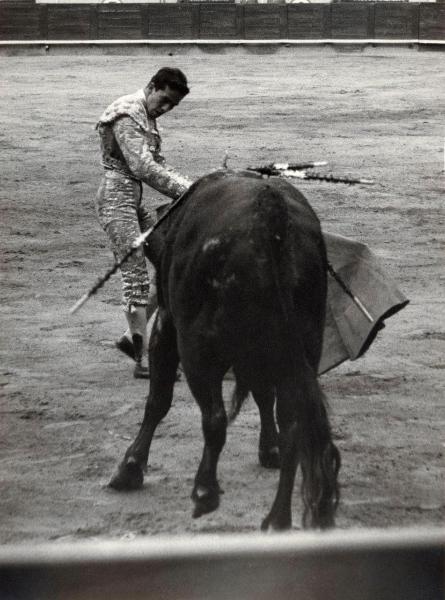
(129, 477)
(270, 458)
(322, 521)
(206, 500)
(272, 523)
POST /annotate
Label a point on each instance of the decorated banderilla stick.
(298, 171)
(136, 244)
(278, 168)
(349, 292)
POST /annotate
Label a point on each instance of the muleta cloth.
(348, 331)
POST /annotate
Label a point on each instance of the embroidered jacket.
(131, 145)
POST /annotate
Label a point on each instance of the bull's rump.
(244, 269)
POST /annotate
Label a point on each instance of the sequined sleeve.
(135, 148)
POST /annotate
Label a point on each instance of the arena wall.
(213, 21)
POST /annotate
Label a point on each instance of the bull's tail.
(305, 439)
(275, 215)
(239, 395)
(318, 456)
(272, 224)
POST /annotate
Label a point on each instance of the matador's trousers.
(122, 216)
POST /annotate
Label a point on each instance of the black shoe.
(125, 346)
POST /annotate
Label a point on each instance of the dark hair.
(173, 78)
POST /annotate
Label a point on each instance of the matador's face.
(161, 101)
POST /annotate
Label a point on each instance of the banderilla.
(278, 168)
(298, 171)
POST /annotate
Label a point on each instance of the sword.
(136, 244)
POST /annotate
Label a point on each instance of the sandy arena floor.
(70, 406)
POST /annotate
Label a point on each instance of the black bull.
(241, 276)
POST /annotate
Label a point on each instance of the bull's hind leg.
(164, 362)
(208, 394)
(279, 517)
(268, 452)
(305, 436)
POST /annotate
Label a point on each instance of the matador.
(131, 154)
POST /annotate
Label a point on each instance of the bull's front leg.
(130, 472)
(164, 360)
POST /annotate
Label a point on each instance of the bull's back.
(244, 253)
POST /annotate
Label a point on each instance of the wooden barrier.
(309, 21)
(432, 21)
(21, 21)
(223, 21)
(67, 22)
(349, 20)
(172, 21)
(341, 565)
(396, 21)
(119, 21)
(219, 21)
(265, 21)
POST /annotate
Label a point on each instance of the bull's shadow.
(240, 251)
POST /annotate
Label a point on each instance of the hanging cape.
(348, 331)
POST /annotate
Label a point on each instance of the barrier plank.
(432, 22)
(170, 21)
(220, 21)
(393, 20)
(305, 21)
(119, 22)
(262, 21)
(349, 20)
(19, 21)
(68, 22)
